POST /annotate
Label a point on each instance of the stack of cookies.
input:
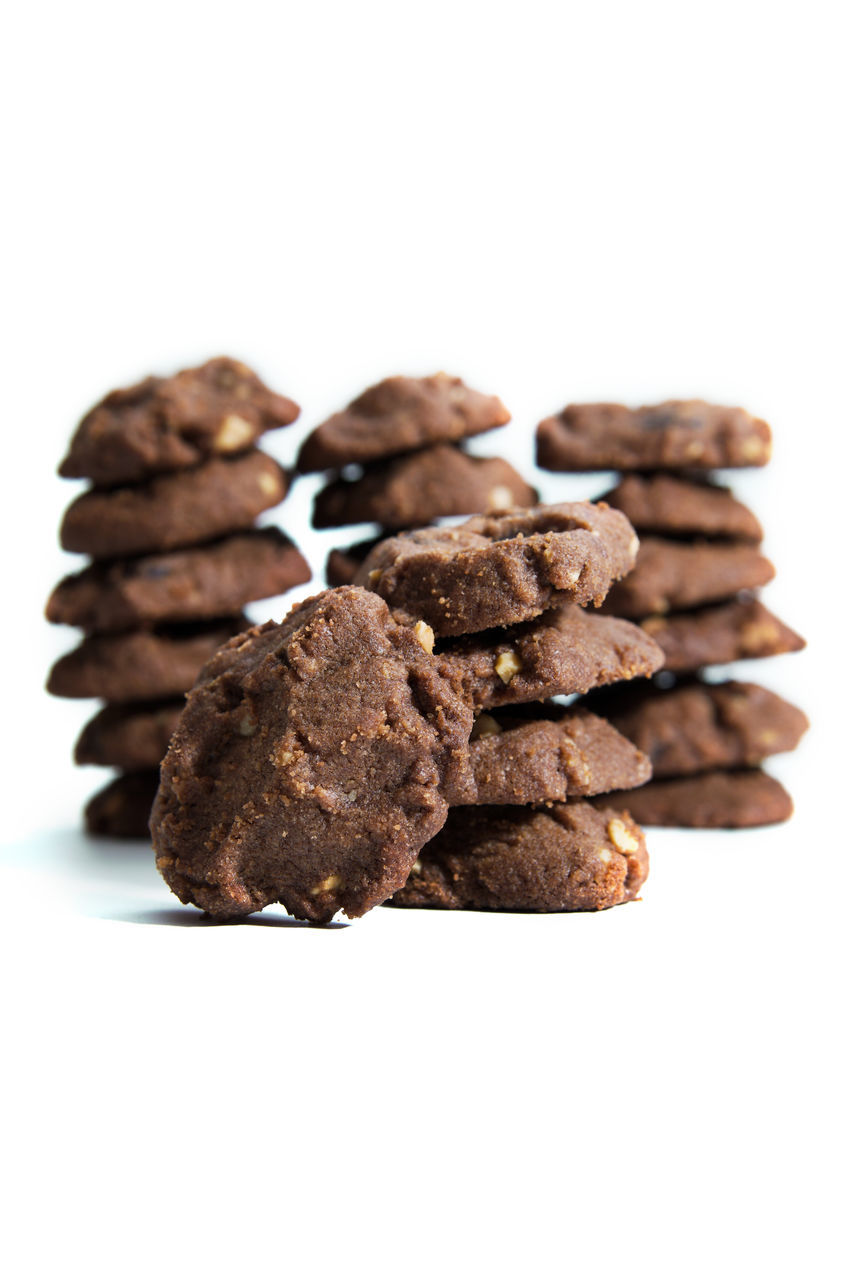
(694, 590)
(176, 486)
(397, 463)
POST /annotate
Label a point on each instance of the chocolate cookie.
(397, 416)
(695, 727)
(138, 666)
(722, 633)
(121, 809)
(166, 424)
(203, 582)
(129, 737)
(176, 509)
(679, 507)
(495, 570)
(571, 857)
(309, 764)
(343, 563)
(678, 575)
(516, 759)
(724, 798)
(677, 435)
(566, 650)
(418, 488)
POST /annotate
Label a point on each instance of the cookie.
(519, 759)
(495, 570)
(166, 424)
(566, 650)
(139, 666)
(571, 857)
(309, 764)
(398, 416)
(677, 435)
(204, 582)
(723, 798)
(343, 563)
(129, 737)
(695, 727)
(679, 575)
(176, 509)
(722, 633)
(683, 508)
(122, 808)
(421, 487)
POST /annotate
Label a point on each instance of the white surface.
(558, 202)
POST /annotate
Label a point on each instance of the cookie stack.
(402, 440)
(694, 590)
(176, 486)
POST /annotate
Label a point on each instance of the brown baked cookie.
(121, 809)
(683, 508)
(343, 563)
(695, 727)
(724, 798)
(519, 759)
(176, 509)
(677, 435)
(397, 416)
(421, 487)
(571, 857)
(495, 570)
(204, 582)
(140, 666)
(679, 575)
(133, 736)
(166, 424)
(722, 633)
(566, 650)
(309, 764)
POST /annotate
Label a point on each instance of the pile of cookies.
(694, 590)
(398, 463)
(176, 486)
(392, 739)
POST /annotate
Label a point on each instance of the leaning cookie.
(723, 798)
(343, 563)
(680, 575)
(570, 857)
(720, 634)
(132, 736)
(683, 508)
(122, 808)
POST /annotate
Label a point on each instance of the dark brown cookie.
(495, 570)
(309, 764)
(677, 435)
(177, 509)
(133, 736)
(722, 633)
(343, 563)
(519, 759)
(121, 809)
(680, 507)
(421, 487)
(679, 575)
(166, 424)
(567, 650)
(140, 666)
(695, 727)
(571, 857)
(397, 416)
(178, 586)
(724, 798)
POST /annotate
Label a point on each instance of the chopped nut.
(485, 726)
(425, 636)
(507, 665)
(247, 725)
(634, 547)
(621, 836)
(417, 867)
(605, 855)
(326, 886)
(234, 433)
(499, 498)
(755, 450)
(373, 577)
(268, 485)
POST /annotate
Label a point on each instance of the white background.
(558, 202)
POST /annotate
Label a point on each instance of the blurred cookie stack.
(694, 590)
(176, 486)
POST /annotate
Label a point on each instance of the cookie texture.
(343, 563)
(204, 582)
(166, 424)
(309, 764)
(494, 570)
(723, 798)
(122, 808)
(719, 634)
(399, 415)
(129, 737)
(678, 575)
(570, 857)
(681, 507)
(674, 436)
(176, 509)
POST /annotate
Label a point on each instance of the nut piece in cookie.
(309, 764)
(722, 798)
